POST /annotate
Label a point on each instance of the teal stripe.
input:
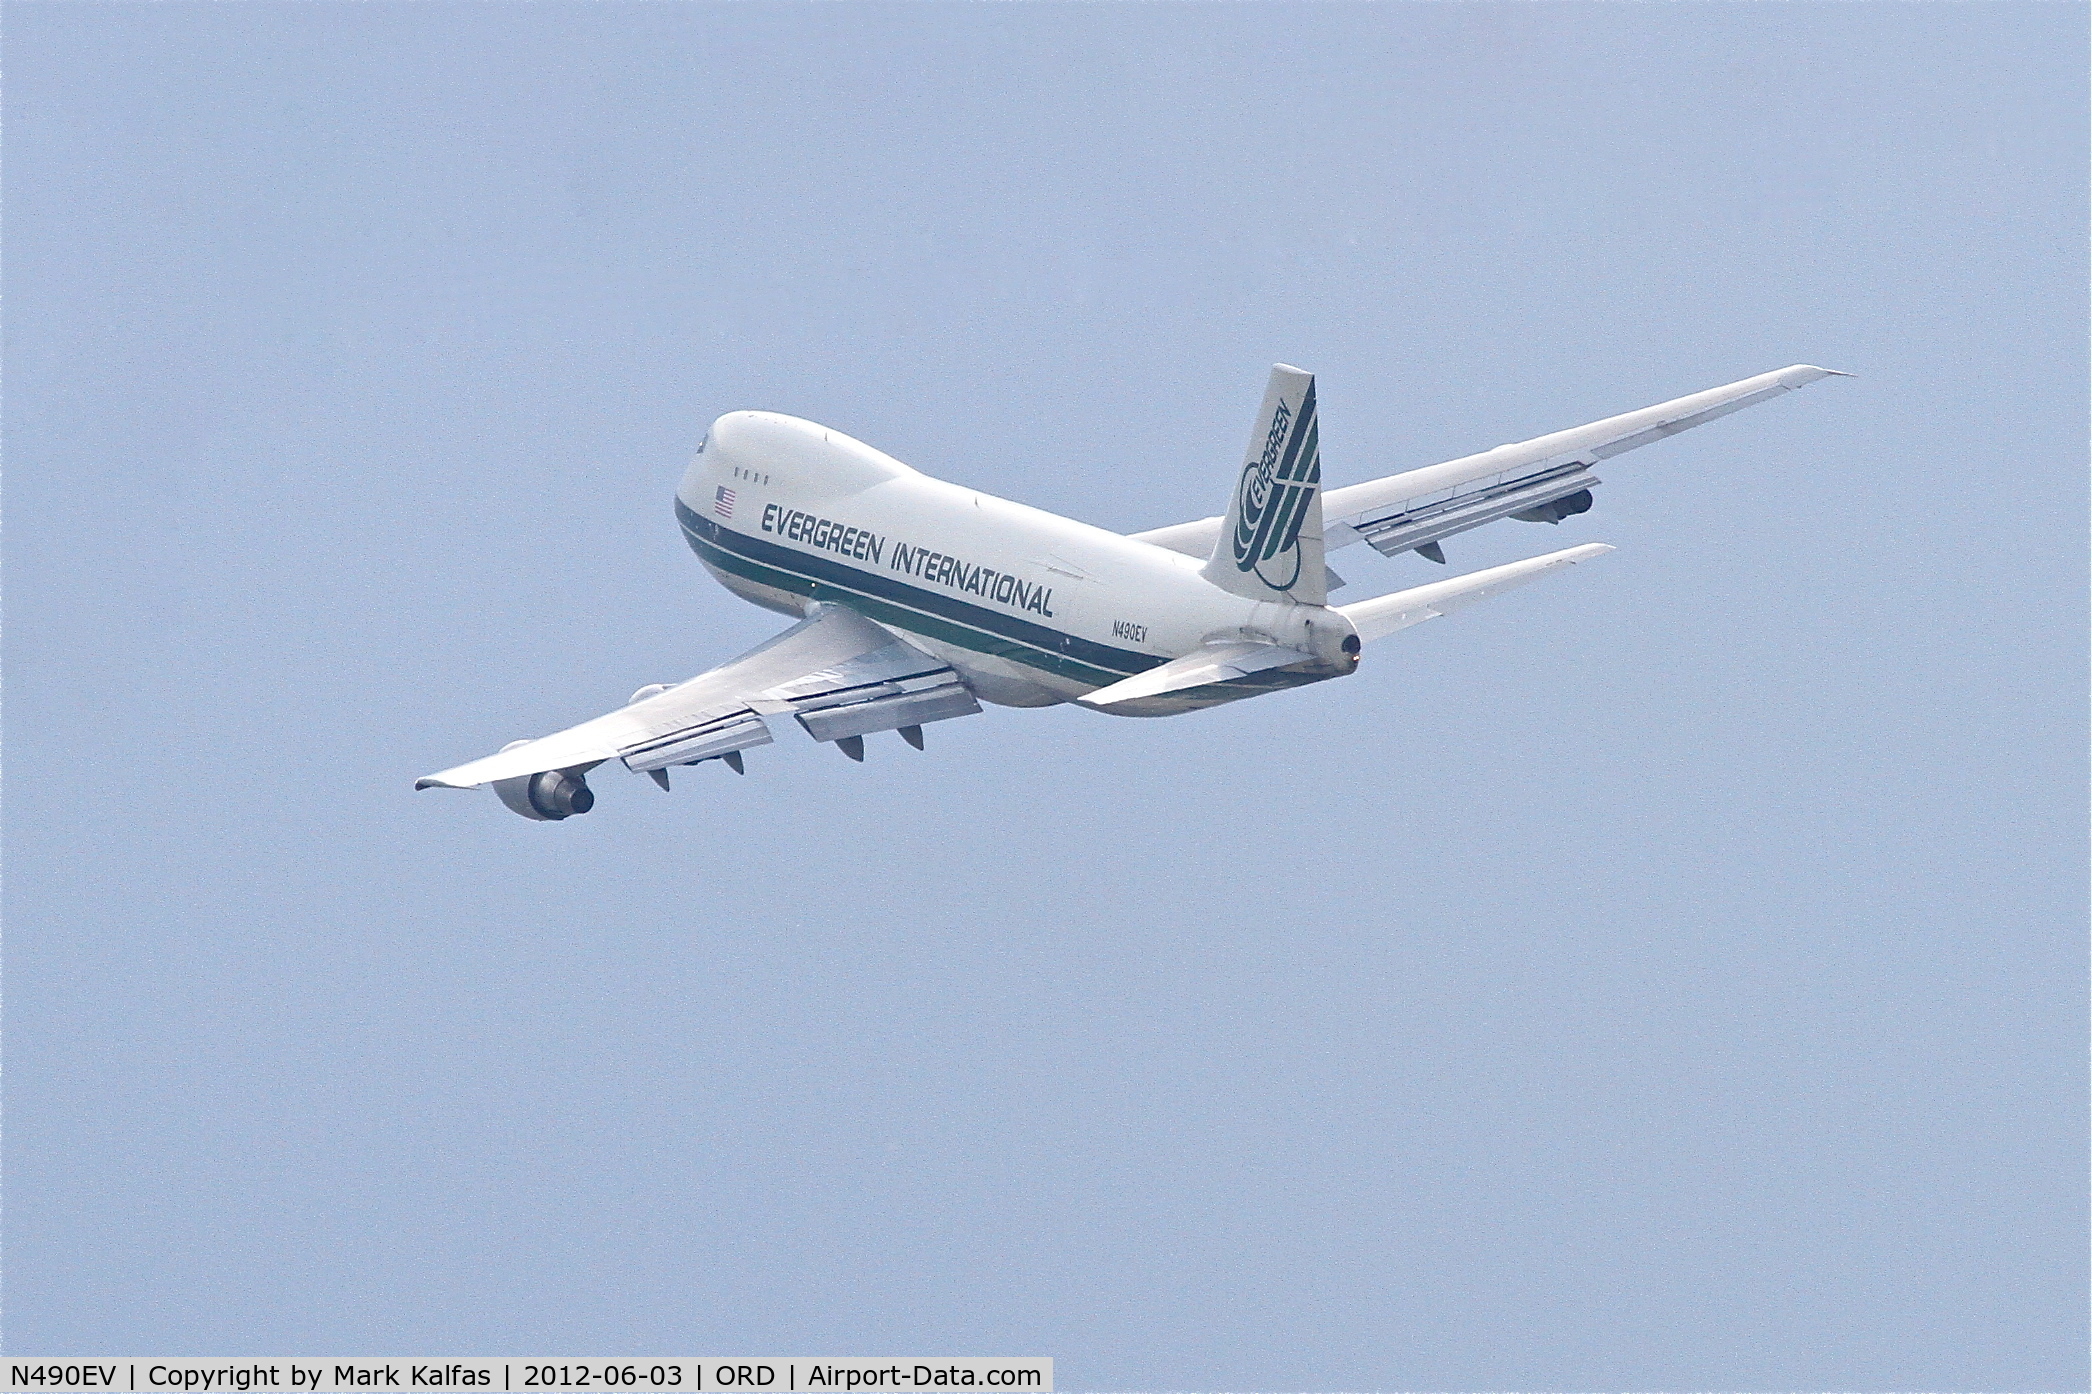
(873, 607)
(1303, 427)
(827, 570)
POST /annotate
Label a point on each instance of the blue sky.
(1670, 976)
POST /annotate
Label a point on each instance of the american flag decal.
(723, 502)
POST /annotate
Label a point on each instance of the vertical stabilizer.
(1270, 545)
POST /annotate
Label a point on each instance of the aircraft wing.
(1542, 480)
(840, 675)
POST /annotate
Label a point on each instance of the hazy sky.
(1669, 976)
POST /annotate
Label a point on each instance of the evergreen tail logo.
(1270, 543)
(1272, 497)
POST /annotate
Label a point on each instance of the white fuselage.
(1029, 607)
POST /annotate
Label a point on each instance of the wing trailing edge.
(1532, 479)
(840, 675)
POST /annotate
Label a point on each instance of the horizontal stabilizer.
(1215, 663)
(1384, 615)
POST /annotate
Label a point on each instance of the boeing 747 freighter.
(917, 600)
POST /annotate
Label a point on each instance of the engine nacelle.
(1554, 510)
(546, 797)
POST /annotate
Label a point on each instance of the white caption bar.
(680, 1374)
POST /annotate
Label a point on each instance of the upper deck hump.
(772, 439)
(808, 466)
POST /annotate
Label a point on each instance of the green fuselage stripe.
(903, 606)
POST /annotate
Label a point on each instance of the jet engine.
(1554, 510)
(547, 797)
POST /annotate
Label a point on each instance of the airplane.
(917, 599)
